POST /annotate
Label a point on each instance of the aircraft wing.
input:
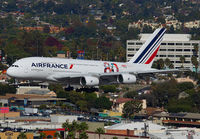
(62, 77)
(67, 76)
(156, 71)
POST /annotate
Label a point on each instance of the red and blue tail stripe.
(147, 55)
(152, 50)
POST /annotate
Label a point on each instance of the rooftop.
(136, 125)
(169, 37)
(123, 100)
(179, 115)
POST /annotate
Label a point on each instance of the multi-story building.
(172, 47)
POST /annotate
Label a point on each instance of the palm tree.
(71, 128)
(42, 135)
(195, 62)
(161, 63)
(82, 127)
(65, 125)
(167, 62)
(57, 135)
(182, 59)
(194, 58)
(83, 135)
(22, 135)
(99, 131)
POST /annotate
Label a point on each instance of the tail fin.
(149, 49)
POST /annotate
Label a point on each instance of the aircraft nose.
(9, 72)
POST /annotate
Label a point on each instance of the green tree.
(83, 135)
(55, 87)
(99, 131)
(167, 62)
(194, 57)
(185, 86)
(131, 94)
(164, 91)
(108, 88)
(103, 103)
(43, 106)
(82, 127)
(22, 135)
(161, 19)
(195, 62)
(75, 127)
(57, 135)
(82, 104)
(182, 59)
(42, 135)
(5, 88)
(161, 63)
(131, 107)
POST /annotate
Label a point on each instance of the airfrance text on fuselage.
(50, 65)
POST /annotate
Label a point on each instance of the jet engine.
(89, 81)
(126, 78)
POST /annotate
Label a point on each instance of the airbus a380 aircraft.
(89, 72)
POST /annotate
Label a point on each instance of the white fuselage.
(41, 68)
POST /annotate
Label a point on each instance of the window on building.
(170, 49)
(131, 43)
(195, 44)
(131, 49)
(163, 43)
(162, 55)
(131, 55)
(170, 43)
(178, 55)
(179, 50)
(178, 61)
(187, 62)
(138, 43)
(186, 55)
(137, 49)
(162, 49)
(186, 43)
(187, 50)
(170, 55)
(179, 44)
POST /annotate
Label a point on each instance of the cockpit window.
(14, 66)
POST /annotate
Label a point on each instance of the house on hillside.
(118, 104)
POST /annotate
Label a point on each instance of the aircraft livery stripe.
(144, 61)
(152, 49)
(152, 56)
(149, 45)
(71, 66)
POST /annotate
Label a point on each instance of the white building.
(173, 47)
(155, 131)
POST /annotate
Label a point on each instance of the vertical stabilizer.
(146, 54)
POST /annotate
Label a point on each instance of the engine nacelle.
(126, 78)
(89, 81)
